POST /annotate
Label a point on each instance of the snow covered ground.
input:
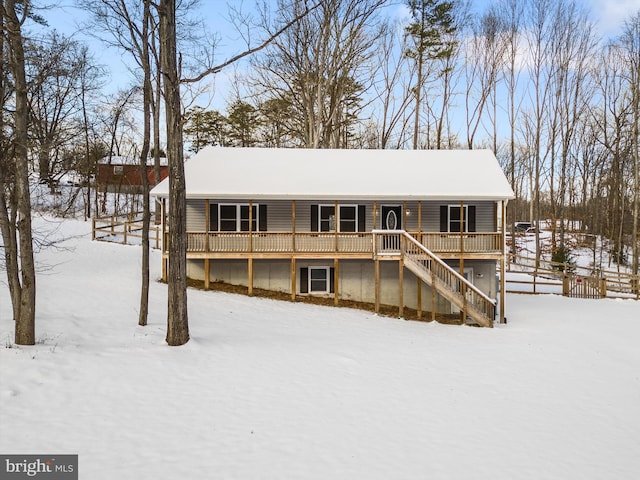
(277, 390)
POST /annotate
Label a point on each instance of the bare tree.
(485, 59)
(630, 42)
(320, 67)
(393, 90)
(15, 215)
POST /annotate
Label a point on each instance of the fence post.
(565, 285)
(603, 288)
(93, 228)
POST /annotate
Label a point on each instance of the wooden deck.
(341, 245)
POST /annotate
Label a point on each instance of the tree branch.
(219, 68)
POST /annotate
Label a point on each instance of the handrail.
(435, 258)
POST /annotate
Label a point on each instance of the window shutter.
(304, 280)
(314, 218)
(262, 215)
(444, 218)
(213, 217)
(471, 225)
(332, 279)
(362, 218)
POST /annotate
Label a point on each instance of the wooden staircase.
(432, 270)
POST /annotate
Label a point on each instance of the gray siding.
(279, 214)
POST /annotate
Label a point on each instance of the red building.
(123, 174)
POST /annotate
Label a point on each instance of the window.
(327, 218)
(455, 220)
(317, 279)
(229, 217)
(351, 218)
(348, 218)
(118, 170)
(452, 221)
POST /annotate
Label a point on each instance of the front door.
(391, 219)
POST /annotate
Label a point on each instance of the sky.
(608, 15)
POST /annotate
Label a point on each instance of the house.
(420, 229)
(123, 174)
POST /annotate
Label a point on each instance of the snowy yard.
(269, 389)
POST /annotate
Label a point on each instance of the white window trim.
(355, 206)
(239, 215)
(327, 271)
(464, 219)
(335, 221)
(336, 215)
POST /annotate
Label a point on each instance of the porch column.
(165, 247)
(376, 274)
(293, 225)
(336, 276)
(419, 282)
(463, 286)
(207, 247)
(293, 279)
(250, 274)
(401, 287)
(503, 282)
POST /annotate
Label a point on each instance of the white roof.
(288, 173)
(122, 160)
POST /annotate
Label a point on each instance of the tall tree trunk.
(177, 320)
(25, 320)
(147, 100)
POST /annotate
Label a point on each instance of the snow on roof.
(123, 160)
(277, 173)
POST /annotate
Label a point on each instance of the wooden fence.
(570, 280)
(124, 229)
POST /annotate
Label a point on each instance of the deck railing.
(436, 272)
(331, 242)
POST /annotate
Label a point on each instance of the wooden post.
(404, 215)
(433, 295)
(503, 272)
(250, 275)
(401, 287)
(337, 224)
(250, 226)
(293, 225)
(336, 276)
(207, 273)
(93, 228)
(375, 214)
(293, 279)
(376, 274)
(463, 286)
(419, 298)
(165, 246)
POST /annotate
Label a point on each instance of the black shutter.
(213, 217)
(304, 280)
(444, 218)
(471, 226)
(314, 218)
(332, 280)
(362, 218)
(262, 215)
